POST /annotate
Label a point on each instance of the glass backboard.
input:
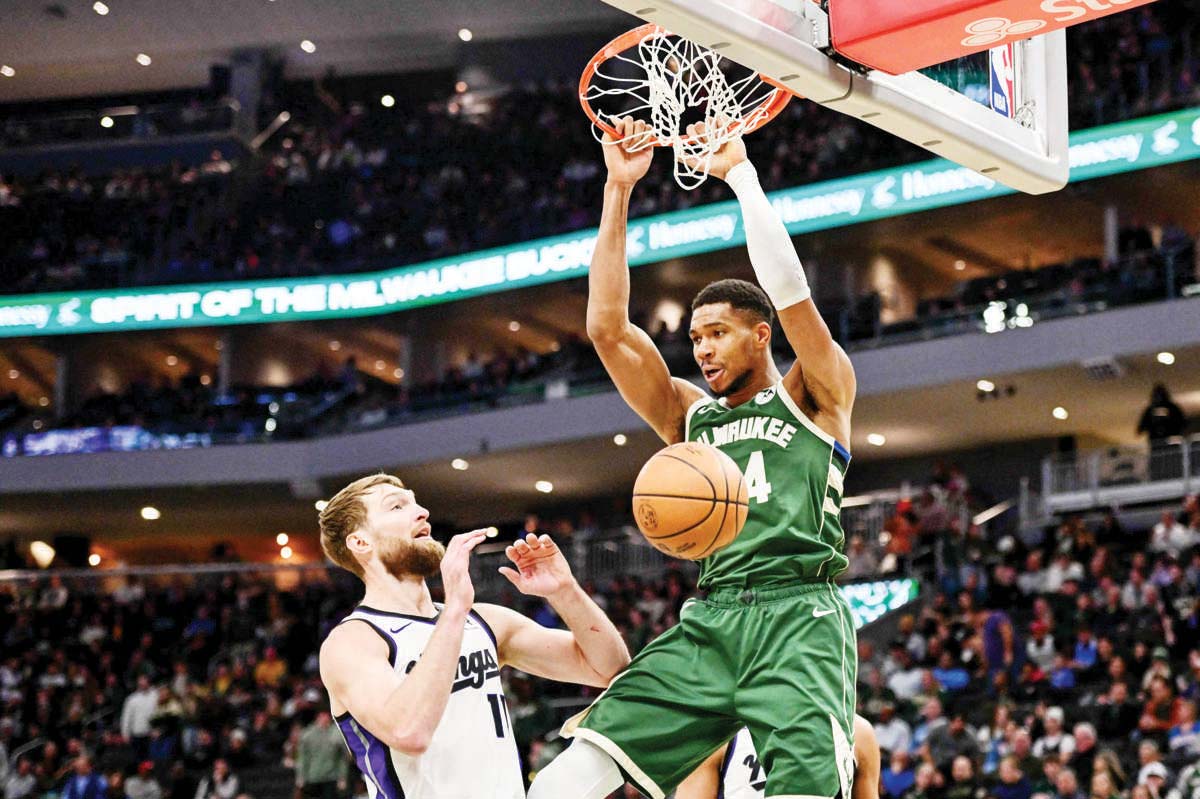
(1001, 113)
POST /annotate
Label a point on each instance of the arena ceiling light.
(172, 360)
(461, 86)
(465, 34)
(282, 539)
(514, 326)
(93, 559)
(7, 71)
(398, 374)
(100, 8)
(151, 513)
(544, 486)
(960, 265)
(620, 440)
(144, 59)
(320, 505)
(307, 46)
(1060, 413)
(335, 345)
(986, 386)
(286, 553)
(1166, 358)
(876, 439)
(13, 374)
(458, 464)
(387, 101)
(106, 122)
(44, 402)
(43, 553)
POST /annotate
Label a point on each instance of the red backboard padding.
(898, 36)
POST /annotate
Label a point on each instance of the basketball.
(690, 500)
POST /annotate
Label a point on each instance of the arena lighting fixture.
(465, 34)
(458, 464)
(282, 539)
(93, 559)
(398, 374)
(461, 86)
(492, 532)
(37, 424)
(106, 122)
(151, 513)
(308, 47)
(273, 408)
(270, 425)
(144, 59)
(335, 345)
(514, 326)
(960, 265)
(320, 505)
(1166, 358)
(100, 8)
(545, 486)
(286, 553)
(13, 374)
(172, 360)
(387, 101)
(43, 553)
(1060, 413)
(44, 402)
(7, 71)
(619, 439)
(380, 366)
(876, 439)
(986, 386)
(206, 380)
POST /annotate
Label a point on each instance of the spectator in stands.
(949, 741)
(143, 785)
(1082, 761)
(1150, 760)
(907, 680)
(899, 777)
(1171, 537)
(85, 784)
(892, 732)
(1155, 777)
(1013, 784)
(1055, 741)
(927, 785)
(136, 715)
(271, 670)
(1067, 785)
(220, 783)
(1183, 739)
(963, 782)
(322, 769)
(21, 781)
(1162, 710)
(1039, 648)
(1162, 419)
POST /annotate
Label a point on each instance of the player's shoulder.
(353, 637)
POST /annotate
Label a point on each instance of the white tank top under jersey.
(742, 776)
(473, 754)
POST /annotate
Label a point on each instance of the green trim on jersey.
(794, 472)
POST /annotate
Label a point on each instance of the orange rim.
(764, 112)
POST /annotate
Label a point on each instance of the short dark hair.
(741, 296)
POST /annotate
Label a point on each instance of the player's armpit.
(526, 645)
(705, 781)
(641, 376)
(822, 367)
(358, 675)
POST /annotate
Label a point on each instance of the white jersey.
(473, 754)
(742, 776)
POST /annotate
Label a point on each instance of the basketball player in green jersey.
(770, 645)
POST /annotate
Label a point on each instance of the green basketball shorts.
(780, 660)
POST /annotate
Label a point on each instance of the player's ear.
(762, 334)
(357, 542)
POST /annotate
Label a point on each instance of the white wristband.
(774, 258)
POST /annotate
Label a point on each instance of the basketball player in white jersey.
(415, 686)
(734, 771)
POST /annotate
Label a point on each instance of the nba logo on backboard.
(1004, 79)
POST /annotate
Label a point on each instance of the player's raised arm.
(822, 368)
(403, 712)
(633, 362)
(589, 652)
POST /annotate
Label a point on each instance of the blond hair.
(346, 513)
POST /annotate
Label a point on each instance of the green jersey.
(794, 473)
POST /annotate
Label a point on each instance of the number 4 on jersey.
(756, 478)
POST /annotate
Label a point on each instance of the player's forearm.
(595, 635)
(418, 704)
(608, 278)
(772, 255)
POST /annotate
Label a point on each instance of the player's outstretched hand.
(541, 568)
(456, 570)
(729, 155)
(627, 156)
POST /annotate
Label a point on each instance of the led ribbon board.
(1098, 152)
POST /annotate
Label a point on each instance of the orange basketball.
(690, 500)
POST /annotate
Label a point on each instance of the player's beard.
(421, 557)
(736, 384)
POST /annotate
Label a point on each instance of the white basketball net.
(677, 77)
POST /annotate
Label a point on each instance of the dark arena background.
(251, 250)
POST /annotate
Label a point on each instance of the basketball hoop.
(669, 82)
